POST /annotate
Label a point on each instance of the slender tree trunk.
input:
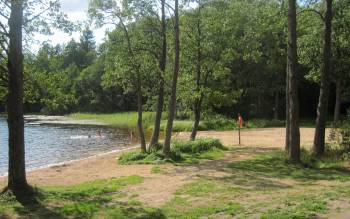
(287, 144)
(16, 174)
(139, 119)
(198, 101)
(162, 65)
(320, 132)
(294, 132)
(172, 101)
(138, 85)
(275, 112)
(337, 102)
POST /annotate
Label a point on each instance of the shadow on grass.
(97, 199)
(28, 204)
(274, 165)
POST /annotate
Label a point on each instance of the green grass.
(98, 199)
(257, 188)
(128, 120)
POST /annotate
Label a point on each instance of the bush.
(197, 146)
(181, 151)
(264, 123)
(155, 157)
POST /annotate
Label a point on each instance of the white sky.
(76, 10)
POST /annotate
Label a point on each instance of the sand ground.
(105, 166)
(156, 188)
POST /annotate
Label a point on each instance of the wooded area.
(270, 59)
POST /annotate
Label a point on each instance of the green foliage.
(198, 146)
(186, 152)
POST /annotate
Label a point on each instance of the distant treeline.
(243, 60)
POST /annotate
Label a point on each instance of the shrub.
(155, 157)
(197, 146)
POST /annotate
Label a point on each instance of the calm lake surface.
(52, 144)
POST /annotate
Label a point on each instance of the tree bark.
(292, 63)
(139, 119)
(275, 112)
(287, 143)
(320, 132)
(16, 172)
(198, 101)
(337, 102)
(172, 101)
(162, 65)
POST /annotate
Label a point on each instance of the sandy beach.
(106, 165)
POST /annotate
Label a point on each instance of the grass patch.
(257, 188)
(125, 120)
(186, 152)
(128, 120)
(97, 199)
(275, 165)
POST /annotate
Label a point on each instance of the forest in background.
(239, 46)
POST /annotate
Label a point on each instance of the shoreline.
(50, 175)
(63, 163)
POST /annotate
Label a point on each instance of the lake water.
(52, 144)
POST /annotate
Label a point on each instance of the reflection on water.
(52, 144)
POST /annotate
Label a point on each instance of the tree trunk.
(198, 101)
(275, 112)
(139, 119)
(162, 65)
(294, 132)
(172, 101)
(320, 132)
(16, 173)
(287, 144)
(337, 102)
(197, 117)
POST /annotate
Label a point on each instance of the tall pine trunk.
(162, 65)
(337, 102)
(320, 132)
(16, 172)
(292, 64)
(172, 101)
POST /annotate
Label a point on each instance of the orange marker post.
(240, 126)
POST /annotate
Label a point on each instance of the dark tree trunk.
(294, 132)
(172, 101)
(320, 132)
(16, 173)
(198, 101)
(197, 117)
(287, 144)
(275, 112)
(162, 65)
(337, 102)
(139, 119)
